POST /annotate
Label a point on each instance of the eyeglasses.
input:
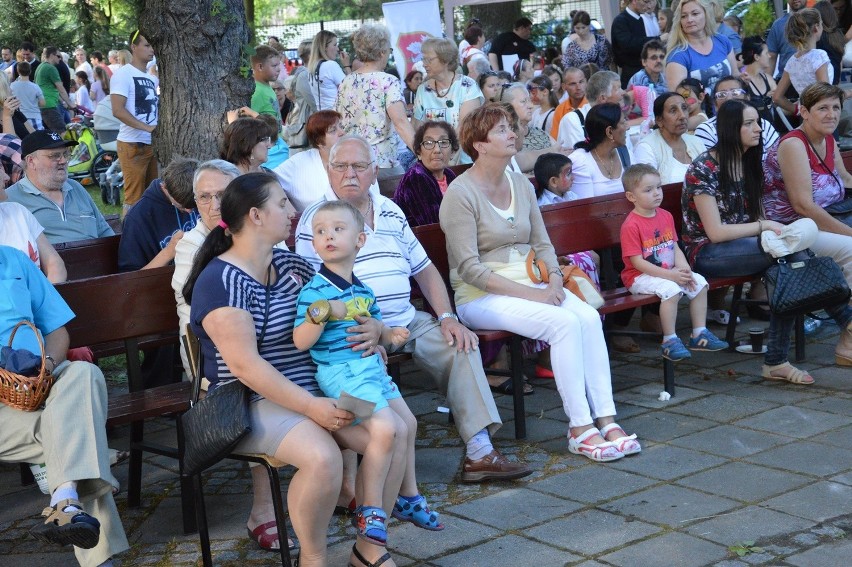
(503, 88)
(58, 156)
(730, 93)
(532, 88)
(430, 144)
(207, 198)
(357, 167)
(265, 140)
(277, 89)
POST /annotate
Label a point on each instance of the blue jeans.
(744, 257)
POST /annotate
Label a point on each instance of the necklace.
(368, 214)
(447, 91)
(608, 169)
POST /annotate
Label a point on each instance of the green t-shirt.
(46, 77)
(264, 101)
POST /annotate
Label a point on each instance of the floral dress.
(702, 178)
(363, 100)
(600, 54)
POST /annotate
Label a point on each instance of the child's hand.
(683, 277)
(399, 335)
(338, 309)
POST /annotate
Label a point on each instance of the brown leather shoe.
(493, 466)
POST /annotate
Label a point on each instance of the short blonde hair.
(445, 50)
(678, 39)
(633, 175)
(370, 41)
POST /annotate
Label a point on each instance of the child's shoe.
(417, 512)
(674, 350)
(707, 341)
(371, 523)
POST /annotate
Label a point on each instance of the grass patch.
(95, 192)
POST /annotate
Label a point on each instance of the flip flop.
(265, 540)
(508, 389)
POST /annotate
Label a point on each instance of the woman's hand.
(11, 104)
(553, 294)
(325, 413)
(772, 225)
(366, 334)
(344, 59)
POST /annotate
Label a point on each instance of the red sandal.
(265, 540)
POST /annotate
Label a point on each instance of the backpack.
(304, 105)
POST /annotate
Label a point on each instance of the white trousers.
(577, 348)
(838, 247)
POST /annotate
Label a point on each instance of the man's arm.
(56, 345)
(122, 114)
(433, 288)
(51, 262)
(63, 94)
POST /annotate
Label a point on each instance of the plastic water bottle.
(40, 473)
(812, 325)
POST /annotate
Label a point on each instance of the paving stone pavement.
(731, 463)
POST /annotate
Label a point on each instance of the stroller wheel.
(100, 165)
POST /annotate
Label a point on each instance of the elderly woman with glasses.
(370, 100)
(446, 94)
(246, 144)
(423, 186)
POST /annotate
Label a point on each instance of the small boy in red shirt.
(654, 264)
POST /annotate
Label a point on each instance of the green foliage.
(315, 10)
(758, 19)
(744, 548)
(246, 51)
(35, 21)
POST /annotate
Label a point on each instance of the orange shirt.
(561, 110)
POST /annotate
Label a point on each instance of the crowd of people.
(673, 96)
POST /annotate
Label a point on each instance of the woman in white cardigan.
(669, 148)
(492, 222)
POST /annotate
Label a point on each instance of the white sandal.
(627, 444)
(602, 453)
(794, 375)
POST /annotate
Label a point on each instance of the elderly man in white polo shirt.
(442, 347)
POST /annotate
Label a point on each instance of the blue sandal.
(371, 523)
(417, 512)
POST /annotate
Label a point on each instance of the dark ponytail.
(241, 195)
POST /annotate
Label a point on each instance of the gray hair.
(351, 138)
(600, 84)
(218, 165)
(478, 66)
(505, 93)
(445, 50)
(370, 41)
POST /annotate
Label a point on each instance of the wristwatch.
(52, 361)
(447, 315)
(318, 312)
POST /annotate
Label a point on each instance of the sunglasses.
(730, 93)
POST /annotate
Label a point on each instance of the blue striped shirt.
(224, 285)
(391, 255)
(332, 347)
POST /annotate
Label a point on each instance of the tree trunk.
(200, 49)
(496, 18)
(249, 7)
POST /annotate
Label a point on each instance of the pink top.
(825, 181)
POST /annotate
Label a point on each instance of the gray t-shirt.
(29, 94)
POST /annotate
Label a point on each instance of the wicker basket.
(25, 393)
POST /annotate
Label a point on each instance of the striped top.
(224, 285)
(390, 256)
(332, 347)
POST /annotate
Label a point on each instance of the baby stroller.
(106, 169)
(82, 155)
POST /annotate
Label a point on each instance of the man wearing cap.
(62, 206)
(135, 103)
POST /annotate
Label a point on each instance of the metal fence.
(550, 19)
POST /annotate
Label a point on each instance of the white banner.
(410, 23)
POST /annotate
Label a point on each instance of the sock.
(697, 332)
(411, 499)
(669, 337)
(479, 445)
(61, 494)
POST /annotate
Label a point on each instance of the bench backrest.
(91, 257)
(123, 306)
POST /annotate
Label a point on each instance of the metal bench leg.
(800, 338)
(731, 331)
(280, 513)
(201, 519)
(516, 364)
(134, 472)
(668, 377)
(187, 487)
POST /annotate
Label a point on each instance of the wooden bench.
(128, 308)
(90, 258)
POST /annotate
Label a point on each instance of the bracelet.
(759, 227)
(52, 361)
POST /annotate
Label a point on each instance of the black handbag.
(214, 425)
(799, 283)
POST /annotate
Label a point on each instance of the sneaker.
(707, 341)
(674, 350)
(493, 466)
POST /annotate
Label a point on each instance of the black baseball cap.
(43, 140)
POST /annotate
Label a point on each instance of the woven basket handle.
(38, 337)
